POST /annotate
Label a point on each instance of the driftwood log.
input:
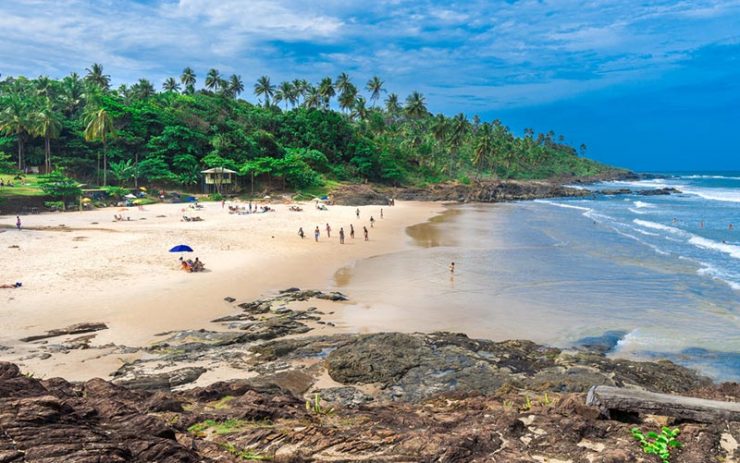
(608, 398)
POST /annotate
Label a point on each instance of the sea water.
(662, 272)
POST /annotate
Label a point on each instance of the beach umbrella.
(182, 248)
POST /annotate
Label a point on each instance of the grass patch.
(26, 187)
(228, 426)
(222, 403)
(245, 454)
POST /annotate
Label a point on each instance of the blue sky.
(646, 85)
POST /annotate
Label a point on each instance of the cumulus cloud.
(508, 54)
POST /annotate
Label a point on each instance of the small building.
(218, 179)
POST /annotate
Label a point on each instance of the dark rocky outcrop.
(79, 328)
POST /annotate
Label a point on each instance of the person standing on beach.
(223, 203)
(381, 212)
(300, 232)
(364, 230)
(351, 231)
(341, 235)
(328, 231)
(357, 212)
(316, 234)
(372, 222)
(18, 222)
(452, 267)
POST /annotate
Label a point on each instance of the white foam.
(566, 206)
(716, 177)
(704, 243)
(715, 194)
(643, 205)
(713, 272)
(637, 211)
(646, 233)
(658, 226)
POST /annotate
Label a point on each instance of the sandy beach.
(85, 267)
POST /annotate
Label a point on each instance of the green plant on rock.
(658, 444)
(245, 454)
(315, 406)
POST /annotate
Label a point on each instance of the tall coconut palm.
(343, 83)
(100, 128)
(392, 105)
(459, 128)
(72, 92)
(347, 96)
(375, 87)
(326, 91)
(263, 88)
(170, 85)
(484, 147)
(236, 85)
(285, 93)
(416, 107)
(312, 100)
(143, 89)
(47, 124)
(15, 119)
(300, 87)
(213, 79)
(96, 76)
(188, 79)
(359, 109)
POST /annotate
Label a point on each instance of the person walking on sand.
(328, 231)
(300, 232)
(316, 234)
(351, 231)
(341, 235)
(223, 203)
(364, 230)
(452, 267)
(18, 222)
(381, 212)
(357, 212)
(372, 222)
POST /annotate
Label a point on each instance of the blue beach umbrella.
(182, 248)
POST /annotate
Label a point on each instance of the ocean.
(645, 277)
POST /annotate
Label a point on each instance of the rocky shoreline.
(371, 397)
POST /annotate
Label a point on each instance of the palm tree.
(359, 109)
(284, 93)
(343, 83)
(143, 89)
(171, 85)
(300, 87)
(416, 107)
(312, 98)
(264, 88)
(347, 96)
(235, 85)
(100, 127)
(375, 87)
(213, 79)
(95, 76)
(392, 105)
(15, 120)
(47, 124)
(458, 131)
(484, 147)
(326, 91)
(188, 79)
(72, 93)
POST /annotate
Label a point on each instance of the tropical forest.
(294, 134)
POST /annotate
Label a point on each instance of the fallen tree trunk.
(608, 398)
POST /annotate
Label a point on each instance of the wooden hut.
(218, 179)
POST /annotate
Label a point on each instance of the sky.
(652, 86)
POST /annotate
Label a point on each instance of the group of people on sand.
(120, 218)
(243, 210)
(190, 265)
(342, 234)
(15, 285)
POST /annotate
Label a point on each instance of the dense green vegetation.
(298, 135)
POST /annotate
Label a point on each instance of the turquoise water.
(557, 271)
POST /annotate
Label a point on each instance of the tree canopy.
(300, 132)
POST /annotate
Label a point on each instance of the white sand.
(122, 274)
